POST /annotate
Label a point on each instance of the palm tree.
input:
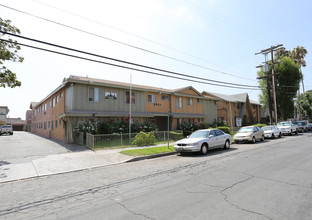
(298, 54)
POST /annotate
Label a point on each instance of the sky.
(211, 39)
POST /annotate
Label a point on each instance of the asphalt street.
(266, 180)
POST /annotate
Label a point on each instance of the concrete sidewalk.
(65, 162)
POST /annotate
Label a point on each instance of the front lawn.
(148, 151)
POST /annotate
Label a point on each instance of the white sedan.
(271, 132)
(203, 140)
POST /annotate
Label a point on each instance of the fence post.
(92, 141)
(121, 139)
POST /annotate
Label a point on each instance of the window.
(164, 97)
(213, 133)
(57, 99)
(52, 125)
(45, 125)
(200, 120)
(55, 123)
(94, 94)
(189, 101)
(60, 121)
(180, 102)
(151, 98)
(191, 120)
(199, 101)
(50, 103)
(53, 103)
(218, 132)
(128, 98)
(237, 105)
(180, 120)
(49, 124)
(61, 95)
(45, 107)
(111, 95)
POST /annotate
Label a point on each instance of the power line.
(125, 67)
(126, 62)
(125, 44)
(134, 35)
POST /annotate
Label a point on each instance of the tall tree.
(286, 85)
(298, 54)
(8, 52)
(305, 103)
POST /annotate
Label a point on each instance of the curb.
(151, 156)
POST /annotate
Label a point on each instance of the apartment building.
(237, 110)
(82, 98)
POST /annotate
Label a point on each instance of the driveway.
(23, 147)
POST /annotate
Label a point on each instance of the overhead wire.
(126, 62)
(122, 43)
(125, 67)
(134, 35)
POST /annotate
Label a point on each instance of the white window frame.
(151, 98)
(96, 96)
(180, 102)
(190, 101)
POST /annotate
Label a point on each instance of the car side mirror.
(210, 136)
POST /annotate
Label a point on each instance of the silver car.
(203, 140)
(271, 132)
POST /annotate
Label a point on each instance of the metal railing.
(122, 140)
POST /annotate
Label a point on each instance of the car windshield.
(246, 130)
(267, 128)
(283, 124)
(199, 134)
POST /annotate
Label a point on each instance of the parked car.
(287, 127)
(250, 134)
(309, 126)
(6, 129)
(271, 132)
(203, 140)
(301, 126)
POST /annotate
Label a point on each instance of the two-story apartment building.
(238, 106)
(82, 98)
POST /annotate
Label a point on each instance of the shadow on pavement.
(210, 152)
(70, 147)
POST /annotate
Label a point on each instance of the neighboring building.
(83, 98)
(4, 110)
(235, 108)
(28, 119)
(17, 123)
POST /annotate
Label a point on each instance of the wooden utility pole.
(265, 52)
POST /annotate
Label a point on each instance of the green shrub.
(176, 136)
(225, 129)
(260, 125)
(144, 139)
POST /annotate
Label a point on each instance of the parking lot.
(23, 147)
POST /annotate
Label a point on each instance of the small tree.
(8, 51)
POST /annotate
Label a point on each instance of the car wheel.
(227, 144)
(253, 140)
(280, 135)
(273, 136)
(204, 149)
(262, 138)
(291, 131)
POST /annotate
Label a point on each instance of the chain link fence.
(122, 140)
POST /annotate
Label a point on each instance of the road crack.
(134, 213)
(225, 197)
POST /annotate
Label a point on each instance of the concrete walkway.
(63, 163)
